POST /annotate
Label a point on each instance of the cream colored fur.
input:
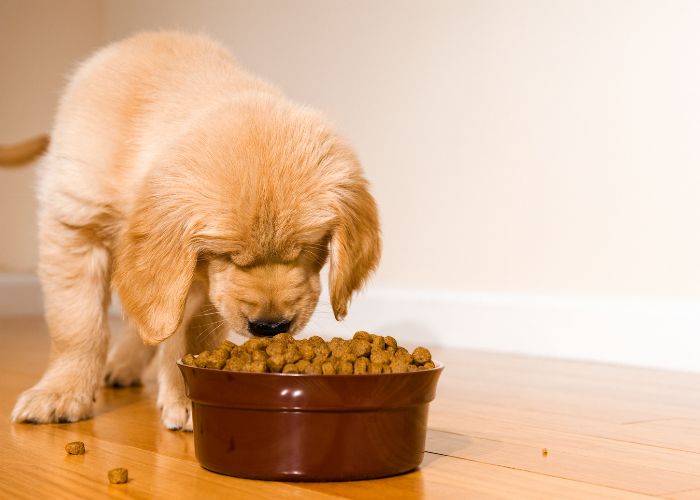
(204, 198)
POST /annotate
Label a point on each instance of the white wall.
(40, 41)
(540, 146)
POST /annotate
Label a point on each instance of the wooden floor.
(610, 432)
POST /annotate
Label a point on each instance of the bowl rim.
(438, 366)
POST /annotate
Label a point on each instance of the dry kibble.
(362, 335)
(258, 366)
(253, 345)
(365, 353)
(201, 360)
(398, 365)
(235, 365)
(379, 356)
(276, 362)
(313, 369)
(307, 351)
(421, 355)
(275, 348)
(302, 364)
(348, 356)
(327, 368)
(361, 366)
(290, 368)
(227, 344)
(322, 352)
(217, 359)
(283, 337)
(292, 355)
(119, 475)
(378, 343)
(259, 356)
(360, 347)
(75, 448)
(340, 349)
(375, 368)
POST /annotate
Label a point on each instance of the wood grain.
(610, 432)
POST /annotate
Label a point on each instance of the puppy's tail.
(23, 152)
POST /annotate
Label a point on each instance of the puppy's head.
(252, 202)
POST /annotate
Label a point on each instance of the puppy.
(205, 198)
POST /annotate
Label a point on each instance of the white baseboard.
(634, 331)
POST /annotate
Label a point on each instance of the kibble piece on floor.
(75, 448)
(120, 475)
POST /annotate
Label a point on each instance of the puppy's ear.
(355, 245)
(154, 267)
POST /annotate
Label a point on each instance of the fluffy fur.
(204, 197)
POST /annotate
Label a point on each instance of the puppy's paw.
(123, 373)
(42, 406)
(127, 361)
(177, 415)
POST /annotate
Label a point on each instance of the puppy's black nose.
(268, 328)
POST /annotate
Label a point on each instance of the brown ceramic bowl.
(293, 427)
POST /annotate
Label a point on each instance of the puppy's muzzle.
(268, 328)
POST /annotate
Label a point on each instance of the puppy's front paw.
(40, 405)
(177, 415)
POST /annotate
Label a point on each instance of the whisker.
(203, 337)
(201, 315)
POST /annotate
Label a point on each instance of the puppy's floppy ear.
(355, 245)
(154, 267)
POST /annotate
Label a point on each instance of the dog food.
(75, 448)
(365, 353)
(119, 475)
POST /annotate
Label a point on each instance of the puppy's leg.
(74, 273)
(128, 359)
(198, 321)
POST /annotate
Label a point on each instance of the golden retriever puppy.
(205, 198)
